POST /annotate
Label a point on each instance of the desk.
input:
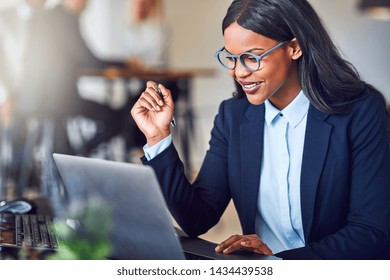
(183, 108)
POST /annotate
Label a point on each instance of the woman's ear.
(296, 49)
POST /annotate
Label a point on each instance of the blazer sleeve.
(196, 206)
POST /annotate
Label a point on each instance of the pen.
(156, 89)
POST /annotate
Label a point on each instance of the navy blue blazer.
(345, 179)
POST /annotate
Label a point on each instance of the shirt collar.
(294, 112)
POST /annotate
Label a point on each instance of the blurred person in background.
(146, 35)
(22, 28)
(42, 55)
(107, 118)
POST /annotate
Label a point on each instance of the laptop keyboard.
(35, 231)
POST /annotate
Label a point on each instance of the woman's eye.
(249, 58)
(229, 58)
(252, 59)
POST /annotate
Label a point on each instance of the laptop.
(142, 226)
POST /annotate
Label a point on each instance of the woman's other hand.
(247, 242)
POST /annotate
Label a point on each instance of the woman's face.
(277, 78)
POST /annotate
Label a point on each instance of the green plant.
(87, 238)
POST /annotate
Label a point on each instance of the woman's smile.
(250, 87)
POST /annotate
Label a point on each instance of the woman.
(303, 151)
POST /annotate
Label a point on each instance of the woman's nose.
(240, 70)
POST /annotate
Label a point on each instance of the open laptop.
(143, 227)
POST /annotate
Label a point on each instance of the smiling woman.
(303, 152)
(276, 77)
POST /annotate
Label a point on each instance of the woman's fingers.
(256, 245)
(167, 96)
(152, 114)
(248, 242)
(157, 96)
(226, 243)
(149, 100)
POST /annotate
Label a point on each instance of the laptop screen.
(142, 226)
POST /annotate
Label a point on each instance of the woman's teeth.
(251, 86)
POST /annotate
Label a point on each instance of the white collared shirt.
(279, 219)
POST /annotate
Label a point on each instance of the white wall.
(364, 42)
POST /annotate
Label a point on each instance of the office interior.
(195, 34)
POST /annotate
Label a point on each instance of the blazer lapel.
(251, 139)
(315, 149)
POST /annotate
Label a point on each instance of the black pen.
(158, 90)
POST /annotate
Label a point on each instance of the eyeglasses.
(249, 60)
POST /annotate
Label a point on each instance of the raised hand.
(153, 113)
